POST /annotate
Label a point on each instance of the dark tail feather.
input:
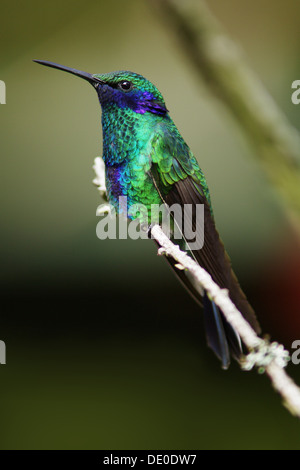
(220, 335)
(234, 340)
(215, 331)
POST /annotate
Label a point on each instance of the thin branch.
(271, 357)
(220, 62)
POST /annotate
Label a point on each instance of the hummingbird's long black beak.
(87, 76)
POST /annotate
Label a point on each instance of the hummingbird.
(147, 160)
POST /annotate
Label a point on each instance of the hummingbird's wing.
(179, 180)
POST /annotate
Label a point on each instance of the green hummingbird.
(148, 162)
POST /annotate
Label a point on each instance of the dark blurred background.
(104, 348)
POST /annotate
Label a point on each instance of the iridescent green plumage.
(148, 161)
(145, 142)
(134, 142)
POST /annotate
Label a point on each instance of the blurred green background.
(104, 349)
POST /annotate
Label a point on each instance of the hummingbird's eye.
(125, 85)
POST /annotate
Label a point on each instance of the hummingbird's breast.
(130, 180)
(127, 156)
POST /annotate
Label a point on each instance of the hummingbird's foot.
(99, 181)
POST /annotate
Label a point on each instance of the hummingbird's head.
(126, 90)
